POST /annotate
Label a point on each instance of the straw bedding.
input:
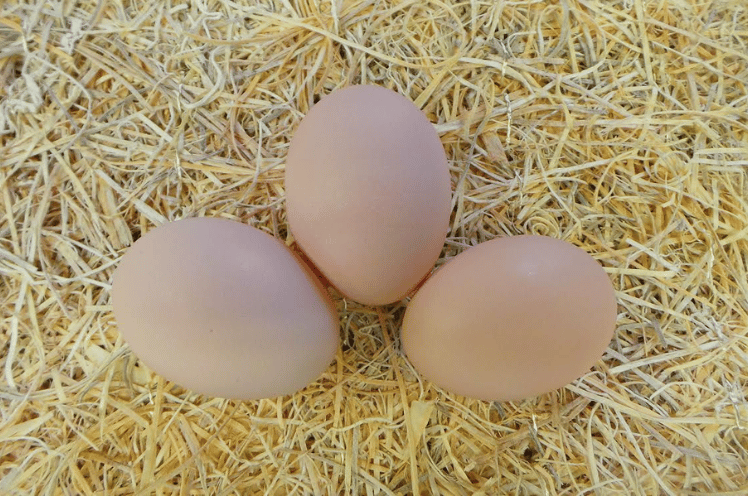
(621, 127)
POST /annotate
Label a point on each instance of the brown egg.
(511, 318)
(368, 192)
(224, 309)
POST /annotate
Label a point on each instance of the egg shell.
(368, 192)
(224, 309)
(511, 318)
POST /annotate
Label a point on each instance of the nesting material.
(618, 126)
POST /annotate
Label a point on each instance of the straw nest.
(618, 126)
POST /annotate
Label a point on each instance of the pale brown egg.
(368, 192)
(224, 309)
(511, 318)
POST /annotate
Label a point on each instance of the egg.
(368, 192)
(224, 309)
(510, 319)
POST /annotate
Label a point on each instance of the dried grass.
(619, 126)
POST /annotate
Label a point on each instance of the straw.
(621, 127)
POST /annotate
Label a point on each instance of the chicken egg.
(368, 192)
(224, 309)
(511, 318)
